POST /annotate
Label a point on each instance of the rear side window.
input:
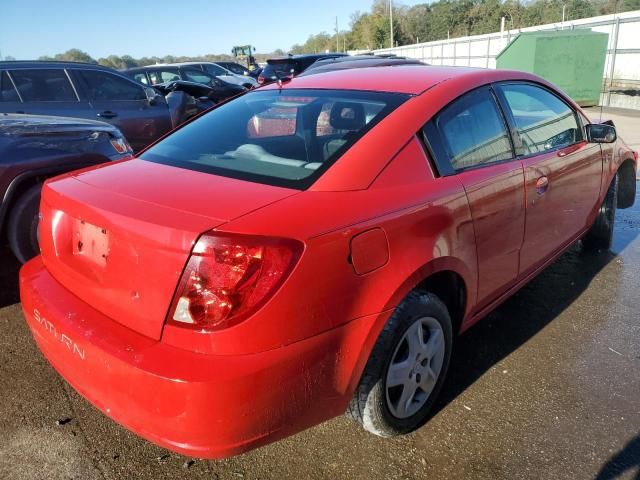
(287, 138)
(105, 86)
(47, 85)
(473, 132)
(279, 70)
(544, 122)
(215, 70)
(7, 91)
(197, 76)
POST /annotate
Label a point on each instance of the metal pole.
(391, 20)
(613, 58)
(488, 50)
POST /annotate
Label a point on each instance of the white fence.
(622, 67)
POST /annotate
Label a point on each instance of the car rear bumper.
(201, 405)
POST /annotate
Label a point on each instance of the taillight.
(229, 277)
(121, 145)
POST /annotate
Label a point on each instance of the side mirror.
(600, 133)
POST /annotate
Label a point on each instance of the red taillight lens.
(228, 277)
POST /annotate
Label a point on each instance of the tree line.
(444, 19)
(424, 22)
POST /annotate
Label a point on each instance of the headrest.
(347, 116)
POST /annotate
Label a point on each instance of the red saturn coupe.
(312, 248)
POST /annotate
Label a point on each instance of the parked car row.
(312, 247)
(206, 73)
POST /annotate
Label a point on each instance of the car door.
(562, 171)
(42, 91)
(469, 139)
(123, 103)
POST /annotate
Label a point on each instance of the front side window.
(277, 137)
(46, 85)
(473, 132)
(141, 77)
(544, 122)
(161, 76)
(105, 86)
(7, 91)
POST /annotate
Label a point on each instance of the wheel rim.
(415, 367)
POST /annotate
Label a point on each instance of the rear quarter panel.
(428, 227)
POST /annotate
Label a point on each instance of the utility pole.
(391, 20)
(337, 38)
(563, 8)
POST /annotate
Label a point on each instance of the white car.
(222, 73)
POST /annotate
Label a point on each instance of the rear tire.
(402, 378)
(600, 235)
(22, 228)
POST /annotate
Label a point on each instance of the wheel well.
(626, 184)
(449, 287)
(14, 193)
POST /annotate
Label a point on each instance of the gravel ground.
(547, 386)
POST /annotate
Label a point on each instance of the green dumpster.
(571, 59)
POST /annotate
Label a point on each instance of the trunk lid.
(119, 236)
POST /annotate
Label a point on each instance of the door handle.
(542, 185)
(107, 114)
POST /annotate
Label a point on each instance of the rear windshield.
(280, 69)
(278, 137)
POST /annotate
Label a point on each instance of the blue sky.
(31, 28)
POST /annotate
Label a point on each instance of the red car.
(313, 247)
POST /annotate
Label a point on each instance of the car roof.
(408, 79)
(17, 64)
(411, 79)
(303, 57)
(363, 61)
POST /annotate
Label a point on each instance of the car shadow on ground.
(520, 318)
(620, 464)
(527, 312)
(9, 268)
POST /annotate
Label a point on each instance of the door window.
(141, 77)
(105, 86)
(473, 132)
(47, 85)
(161, 76)
(197, 76)
(544, 122)
(7, 91)
(215, 70)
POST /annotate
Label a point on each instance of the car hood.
(14, 124)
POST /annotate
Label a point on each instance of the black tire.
(600, 235)
(371, 403)
(22, 228)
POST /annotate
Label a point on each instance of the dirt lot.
(548, 386)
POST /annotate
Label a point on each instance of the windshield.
(286, 138)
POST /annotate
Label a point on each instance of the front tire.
(600, 235)
(406, 369)
(22, 228)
